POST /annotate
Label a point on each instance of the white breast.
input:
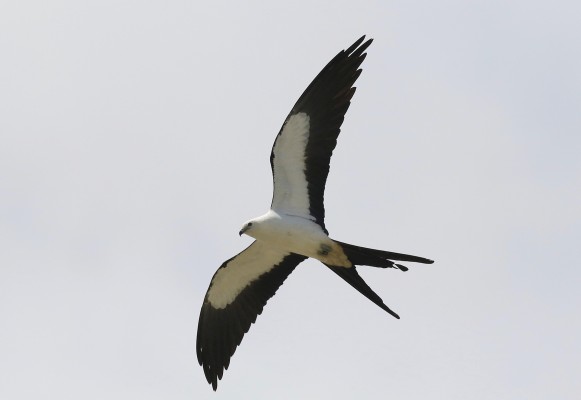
(298, 235)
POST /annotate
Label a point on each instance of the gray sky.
(134, 143)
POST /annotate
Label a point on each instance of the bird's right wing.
(237, 294)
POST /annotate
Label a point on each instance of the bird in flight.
(294, 228)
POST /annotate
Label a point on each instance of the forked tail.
(378, 258)
(374, 258)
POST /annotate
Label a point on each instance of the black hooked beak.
(244, 229)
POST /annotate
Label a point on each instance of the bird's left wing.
(237, 294)
(303, 147)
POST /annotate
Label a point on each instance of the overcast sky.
(134, 142)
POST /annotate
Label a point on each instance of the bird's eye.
(249, 224)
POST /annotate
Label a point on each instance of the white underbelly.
(305, 237)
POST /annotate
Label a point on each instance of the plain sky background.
(134, 142)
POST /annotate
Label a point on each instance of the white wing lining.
(240, 271)
(291, 195)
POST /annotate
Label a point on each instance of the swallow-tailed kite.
(293, 229)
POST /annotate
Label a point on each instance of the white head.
(260, 226)
(247, 228)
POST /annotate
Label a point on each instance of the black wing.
(302, 150)
(237, 294)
